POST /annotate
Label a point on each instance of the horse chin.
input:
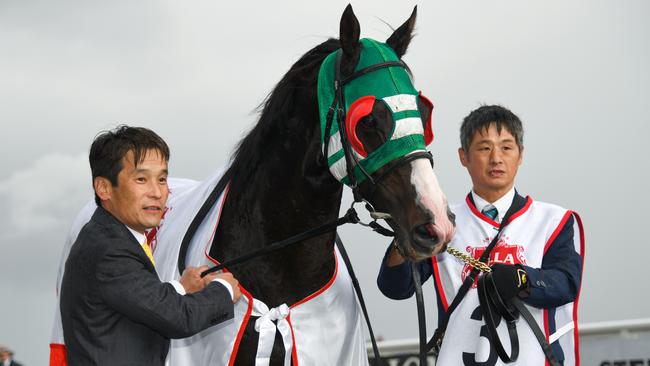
(416, 254)
(418, 248)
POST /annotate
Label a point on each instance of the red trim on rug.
(438, 283)
(242, 327)
(216, 225)
(250, 298)
(214, 231)
(294, 352)
(556, 232)
(327, 285)
(58, 356)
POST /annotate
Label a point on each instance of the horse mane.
(278, 107)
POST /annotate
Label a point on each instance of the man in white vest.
(537, 258)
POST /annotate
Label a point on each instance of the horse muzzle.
(428, 240)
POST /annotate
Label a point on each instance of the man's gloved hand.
(509, 280)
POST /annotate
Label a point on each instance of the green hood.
(392, 85)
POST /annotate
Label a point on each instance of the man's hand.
(191, 279)
(228, 277)
(509, 280)
(394, 258)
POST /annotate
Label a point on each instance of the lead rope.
(362, 303)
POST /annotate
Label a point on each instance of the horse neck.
(291, 191)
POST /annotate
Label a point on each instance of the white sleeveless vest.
(524, 241)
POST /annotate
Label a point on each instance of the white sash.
(524, 241)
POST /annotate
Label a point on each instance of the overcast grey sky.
(576, 72)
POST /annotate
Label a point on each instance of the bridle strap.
(371, 68)
(403, 161)
(349, 217)
(338, 108)
(422, 322)
(340, 121)
(537, 331)
(362, 303)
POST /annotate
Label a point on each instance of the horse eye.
(368, 121)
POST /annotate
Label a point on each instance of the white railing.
(411, 345)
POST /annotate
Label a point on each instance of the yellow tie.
(147, 251)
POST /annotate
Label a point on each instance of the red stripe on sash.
(480, 215)
(576, 339)
(322, 289)
(438, 283)
(58, 356)
(557, 230)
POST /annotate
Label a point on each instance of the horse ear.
(400, 39)
(349, 37)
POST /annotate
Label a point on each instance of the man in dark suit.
(7, 357)
(114, 308)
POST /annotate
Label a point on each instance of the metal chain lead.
(483, 267)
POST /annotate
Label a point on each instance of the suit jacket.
(114, 308)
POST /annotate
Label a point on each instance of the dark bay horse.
(286, 177)
(281, 185)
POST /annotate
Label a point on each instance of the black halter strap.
(371, 68)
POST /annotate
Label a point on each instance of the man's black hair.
(481, 118)
(109, 147)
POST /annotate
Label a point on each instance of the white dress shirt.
(502, 204)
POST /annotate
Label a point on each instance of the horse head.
(375, 126)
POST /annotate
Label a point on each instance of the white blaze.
(429, 196)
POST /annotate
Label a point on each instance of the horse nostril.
(425, 230)
(425, 236)
(451, 216)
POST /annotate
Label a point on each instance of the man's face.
(140, 196)
(492, 162)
